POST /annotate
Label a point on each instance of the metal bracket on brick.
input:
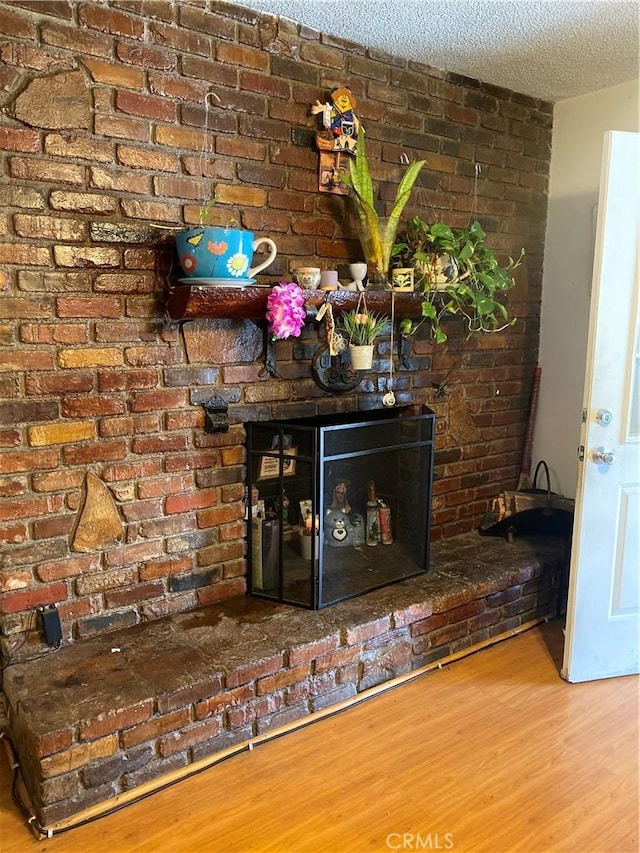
(404, 350)
(216, 411)
(270, 368)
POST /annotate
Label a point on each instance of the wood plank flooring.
(492, 754)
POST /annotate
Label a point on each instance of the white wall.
(579, 126)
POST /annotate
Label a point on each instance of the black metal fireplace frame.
(322, 433)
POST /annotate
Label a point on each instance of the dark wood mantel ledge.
(190, 301)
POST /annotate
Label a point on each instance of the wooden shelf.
(189, 301)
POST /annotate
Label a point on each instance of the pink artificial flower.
(285, 310)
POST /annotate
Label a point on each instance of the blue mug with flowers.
(221, 254)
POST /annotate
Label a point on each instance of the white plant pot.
(361, 356)
(440, 271)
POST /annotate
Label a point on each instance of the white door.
(603, 611)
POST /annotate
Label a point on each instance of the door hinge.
(584, 416)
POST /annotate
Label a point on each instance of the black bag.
(529, 511)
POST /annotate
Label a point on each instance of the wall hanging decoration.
(99, 525)
(389, 399)
(334, 373)
(338, 135)
(331, 368)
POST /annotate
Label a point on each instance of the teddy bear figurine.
(342, 530)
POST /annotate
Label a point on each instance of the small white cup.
(308, 277)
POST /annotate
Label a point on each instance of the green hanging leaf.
(406, 328)
(466, 252)
(440, 335)
(428, 310)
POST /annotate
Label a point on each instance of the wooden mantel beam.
(189, 301)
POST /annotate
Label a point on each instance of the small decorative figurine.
(339, 134)
(342, 530)
(340, 499)
(358, 271)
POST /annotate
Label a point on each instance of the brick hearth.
(101, 717)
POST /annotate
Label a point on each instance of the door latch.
(604, 417)
(603, 456)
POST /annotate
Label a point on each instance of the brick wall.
(101, 137)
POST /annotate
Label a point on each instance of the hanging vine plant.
(458, 275)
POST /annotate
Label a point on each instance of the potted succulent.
(362, 327)
(458, 274)
(377, 234)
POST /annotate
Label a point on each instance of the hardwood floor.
(492, 753)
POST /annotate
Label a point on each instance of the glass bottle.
(373, 516)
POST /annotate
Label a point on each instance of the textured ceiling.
(549, 49)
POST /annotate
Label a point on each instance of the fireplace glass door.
(338, 505)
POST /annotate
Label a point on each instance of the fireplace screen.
(338, 505)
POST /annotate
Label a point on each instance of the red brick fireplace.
(101, 140)
(94, 378)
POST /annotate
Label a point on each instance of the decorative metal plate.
(334, 373)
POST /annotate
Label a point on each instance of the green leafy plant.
(206, 208)
(362, 327)
(458, 275)
(377, 234)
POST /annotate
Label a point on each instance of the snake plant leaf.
(359, 172)
(370, 232)
(402, 197)
(377, 238)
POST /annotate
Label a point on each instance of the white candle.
(329, 280)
